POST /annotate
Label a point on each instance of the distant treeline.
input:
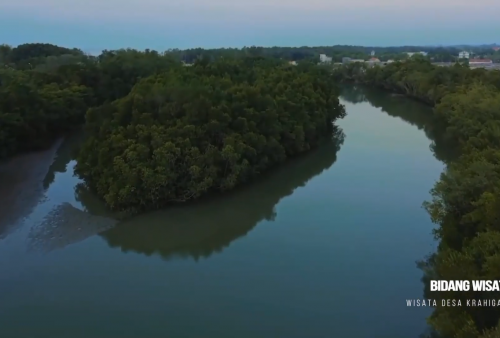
(437, 54)
(466, 200)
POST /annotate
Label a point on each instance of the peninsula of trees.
(207, 128)
(158, 131)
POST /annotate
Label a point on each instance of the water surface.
(324, 246)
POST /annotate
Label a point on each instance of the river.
(325, 246)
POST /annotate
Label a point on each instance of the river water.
(325, 246)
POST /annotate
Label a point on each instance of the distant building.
(390, 61)
(480, 61)
(496, 49)
(293, 63)
(372, 62)
(410, 54)
(356, 60)
(346, 60)
(373, 53)
(324, 59)
(463, 55)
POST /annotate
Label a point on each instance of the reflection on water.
(65, 153)
(193, 230)
(422, 117)
(21, 186)
(208, 226)
(65, 225)
(415, 113)
(25, 185)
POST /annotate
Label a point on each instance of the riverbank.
(22, 185)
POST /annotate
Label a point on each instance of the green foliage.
(45, 89)
(418, 78)
(32, 110)
(192, 130)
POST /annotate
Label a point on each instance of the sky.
(93, 25)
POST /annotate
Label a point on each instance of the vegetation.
(443, 148)
(159, 132)
(466, 200)
(34, 106)
(45, 90)
(420, 79)
(192, 130)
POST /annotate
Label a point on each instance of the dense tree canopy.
(206, 128)
(34, 106)
(466, 200)
(158, 131)
(46, 90)
(436, 54)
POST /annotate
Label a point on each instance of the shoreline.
(21, 185)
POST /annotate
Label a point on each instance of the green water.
(324, 246)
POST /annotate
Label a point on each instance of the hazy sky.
(160, 24)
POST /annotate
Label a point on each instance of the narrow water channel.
(325, 246)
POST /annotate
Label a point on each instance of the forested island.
(466, 200)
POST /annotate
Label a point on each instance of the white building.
(463, 55)
(410, 54)
(324, 59)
